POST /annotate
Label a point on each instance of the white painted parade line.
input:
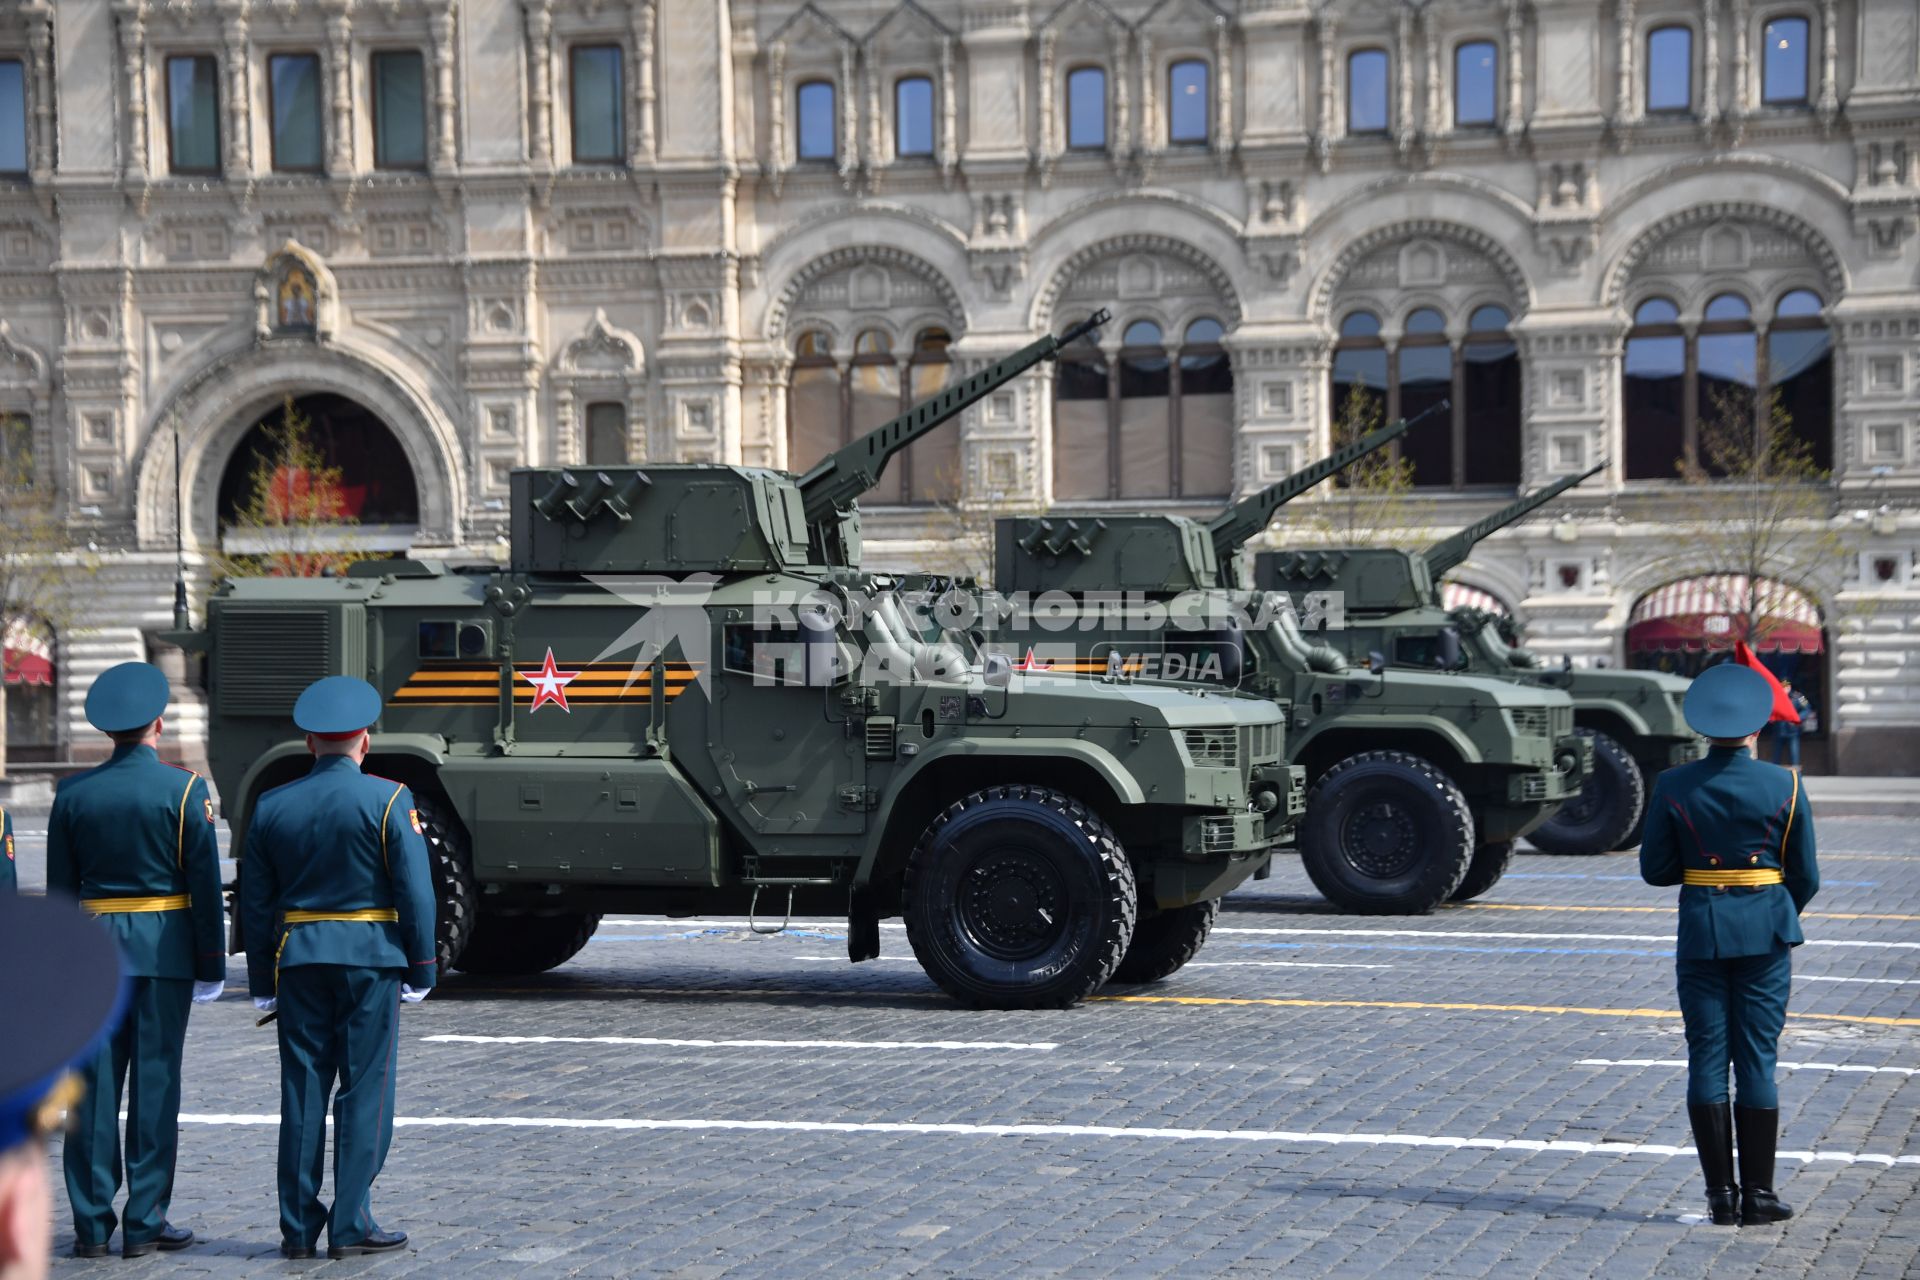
(1026, 1132)
(1789, 1066)
(1040, 1046)
(1884, 982)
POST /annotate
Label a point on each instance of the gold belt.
(1741, 878)
(375, 915)
(131, 906)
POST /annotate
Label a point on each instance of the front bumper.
(1223, 835)
(1573, 756)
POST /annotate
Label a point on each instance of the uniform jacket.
(337, 840)
(9, 872)
(1730, 812)
(136, 827)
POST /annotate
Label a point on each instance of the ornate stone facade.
(478, 302)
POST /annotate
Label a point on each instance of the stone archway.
(215, 410)
(376, 489)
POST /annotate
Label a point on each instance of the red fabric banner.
(1782, 704)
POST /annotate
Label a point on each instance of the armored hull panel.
(1056, 552)
(669, 519)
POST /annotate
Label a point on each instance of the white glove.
(208, 992)
(266, 1004)
(409, 996)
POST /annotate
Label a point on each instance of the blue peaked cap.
(130, 696)
(337, 704)
(1729, 701)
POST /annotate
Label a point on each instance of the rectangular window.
(913, 117)
(814, 137)
(1087, 109)
(293, 100)
(1187, 102)
(193, 114)
(399, 110)
(13, 117)
(1476, 68)
(599, 124)
(1367, 91)
(1670, 69)
(1783, 62)
(606, 435)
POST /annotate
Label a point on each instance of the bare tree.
(1366, 503)
(295, 522)
(41, 575)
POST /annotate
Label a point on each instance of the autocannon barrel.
(1450, 551)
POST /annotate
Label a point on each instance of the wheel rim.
(1380, 838)
(1012, 904)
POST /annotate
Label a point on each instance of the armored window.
(795, 654)
(293, 100)
(606, 434)
(399, 109)
(439, 639)
(1187, 106)
(1799, 373)
(16, 452)
(1670, 69)
(13, 117)
(1654, 401)
(1087, 109)
(1784, 46)
(1486, 413)
(599, 118)
(815, 129)
(193, 115)
(1476, 79)
(1367, 91)
(913, 116)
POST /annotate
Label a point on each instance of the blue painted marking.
(1402, 946)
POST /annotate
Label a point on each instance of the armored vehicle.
(671, 700)
(1420, 782)
(1393, 606)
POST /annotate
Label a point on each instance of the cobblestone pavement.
(1491, 1090)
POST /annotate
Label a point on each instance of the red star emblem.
(549, 685)
(1030, 663)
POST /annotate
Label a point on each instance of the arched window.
(1726, 361)
(1359, 370)
(1487, 410)
(1146, 425)
(1800, 371)
(830, 404)
(1670, 69)
(1423, 377)
(930, 470)
(1476, 80)
(1367, 91)
(816, 131)
(1187, 107)
(1784, 50)
(1087, 109)
(913, 116)
(814, 410)
(1654, 398)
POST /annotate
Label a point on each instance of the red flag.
(1782, 704)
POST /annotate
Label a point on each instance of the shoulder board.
(378, 777)
(174, 764)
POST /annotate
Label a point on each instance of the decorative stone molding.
(1821, 252)
(294, 295)
(604, 363)
(1321, 302)
(1219, 282)
(884, 256)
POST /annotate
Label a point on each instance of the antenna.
(181, 620)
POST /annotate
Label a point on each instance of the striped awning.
(27, 658)
(1457, 595)
(1707, 612)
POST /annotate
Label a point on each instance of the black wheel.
(510, 942)
(1609, 807)
(1019, 897)
(1164, 942)
(1632, 839)
(1489, 863)
(450, 857)
(1386, 833)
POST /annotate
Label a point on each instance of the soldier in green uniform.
(52, 1028)
(9, 873)
(134, 840)
(337, 914)
(1737, 836)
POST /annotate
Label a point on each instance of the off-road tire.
(1386, 833)
(1632, 839)
(456, 896)
(519, 942)
(978, 886)
(1164, 941)
(1484, 869)
(1610, 807)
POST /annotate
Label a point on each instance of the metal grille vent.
(263, 659)
(1531, 722)
(880, 737)
(1212, 748)
(1216, 835)
(1533, 787)
(1562, 722)
(1263, 743)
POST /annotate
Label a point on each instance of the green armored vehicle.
(1393, 607)
(1420, 783)
(670, 701)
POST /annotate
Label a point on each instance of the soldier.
(1737, 836)
(134, 840)
(337, 915)
(52, 1028)
(9, 874)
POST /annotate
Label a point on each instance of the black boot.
(1713, 1134)
(1759, 1131)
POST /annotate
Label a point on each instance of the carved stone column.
(40, 141)
(340, 93)
(876, 153)
(1153, 134)
(1710, 59)
(849, 118)
(445, 156)
(1436, 121)
(133, 76)
(1223, 138)
(777, 112)
(1623, 100)
(1049, 148)
(540, 79)
(1122, 100)
(1741, 63)
(1323, 125)
(949, 116)
(239, 127)
(1827, 105)
(643, 91)
(1516, 122)
(1403, 124)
